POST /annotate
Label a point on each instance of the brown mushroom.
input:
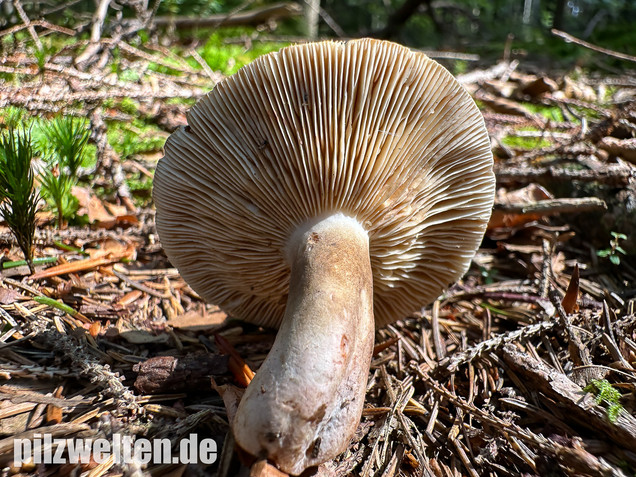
(324, 189)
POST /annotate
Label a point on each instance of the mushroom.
(325, 189)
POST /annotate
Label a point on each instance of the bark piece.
(578, 404)
(172, 374)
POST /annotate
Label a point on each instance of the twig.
(252, 17)
(571, 398)
(572, 39)
(331, 23)
(139, 286)
(554, 206)
(96, 33)
(100, 374)
(452, 363)
(611, 175)
(40, 23)
(479, 76)
(208, 71)
(438, 342)
(579, 354)
(74, 267)
(27, 22)
(63, 429)
(60, 7)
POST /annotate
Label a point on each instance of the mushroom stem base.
(305, 402)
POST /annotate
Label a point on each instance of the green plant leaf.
(615, 259)
(606, 394)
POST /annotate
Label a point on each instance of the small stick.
(27, 22)
(569, 38)
(438, 342)
(40, 23)
(554, 206)
(73, 267)
(613, 175)
(208, 71)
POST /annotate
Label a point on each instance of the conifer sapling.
(18, 197)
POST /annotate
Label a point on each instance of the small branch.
(253, 17)
(612, 175)
(27, 23)
(331, 23)
(554, 206)
(451, 364)
(98, 20)
(96, 33)
(208, 71)
(480, 76)
(58, 8)
(572, 39)
(580, 406)
(38, 23)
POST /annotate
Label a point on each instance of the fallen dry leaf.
(262, 468)
(231, 396)
(569, 301)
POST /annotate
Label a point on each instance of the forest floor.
(527, 366)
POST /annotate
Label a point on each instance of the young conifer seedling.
(64, 149)
(18, 198)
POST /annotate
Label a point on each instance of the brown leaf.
(231, 397)
(97, 212)
(116, 210)
(9, 296)
(530, 193)
(571, 296)
(536, 86)
(262, 469)
(94, 329)
(53, 412)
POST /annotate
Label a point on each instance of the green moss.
(527, 143)
(140, 185)
(606, 395)
(553, 113)
(139, 182)
(229, 58)
(134, 138)
(129, 106)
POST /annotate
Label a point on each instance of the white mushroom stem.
(305, 402)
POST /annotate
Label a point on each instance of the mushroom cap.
(367, 128)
